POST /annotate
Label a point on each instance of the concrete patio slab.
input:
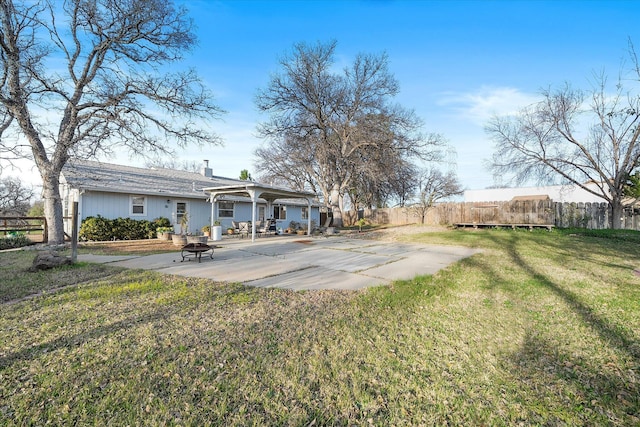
(234, 270)
(103, 259)
(419, 263)
(303, 263)
(317, 278)
(275, 248)
(341, 260)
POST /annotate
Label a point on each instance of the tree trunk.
(335, 205)
(617, 212)
(53, 208)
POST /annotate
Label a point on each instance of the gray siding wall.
(199, 212)
(115, 205)
(294, 213)
(242, 212)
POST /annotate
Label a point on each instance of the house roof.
(263, 191)
(99, 176)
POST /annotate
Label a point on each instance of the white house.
(557, 193)
(117, 191)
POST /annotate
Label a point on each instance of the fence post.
(74, 232)
(45, 231)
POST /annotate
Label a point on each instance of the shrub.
(101, 229)
(161, 222)
(130, 229)
(96, 228)
(14, 241)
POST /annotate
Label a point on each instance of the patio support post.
(268, 193)
(254, 201)
(213, 210)
(269, 213)
(309, 216)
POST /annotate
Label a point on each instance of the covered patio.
(255, 191)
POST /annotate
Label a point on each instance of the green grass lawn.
(539, 329)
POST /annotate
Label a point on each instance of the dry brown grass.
(122, 247)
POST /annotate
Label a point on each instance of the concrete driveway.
(303, 263)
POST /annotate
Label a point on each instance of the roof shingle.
(99, 176)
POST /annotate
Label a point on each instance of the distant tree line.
(15, 197)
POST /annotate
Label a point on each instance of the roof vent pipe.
(206, 170)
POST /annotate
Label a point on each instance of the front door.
(180, 218)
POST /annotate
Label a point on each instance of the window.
(181, 211)
(280, 212)
(305, 212)
(138, 205)
(225, 209)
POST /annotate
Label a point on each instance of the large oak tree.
(83, 77)
(330, 129)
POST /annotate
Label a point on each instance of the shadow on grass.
(607, 331)
(66, 341)
(150, 313)
(607, 385)
(585, 391)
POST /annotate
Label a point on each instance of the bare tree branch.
(326, 129)
(15, 197)
(564, 138)
(433, 187)
(110, 94)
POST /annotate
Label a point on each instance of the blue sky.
(457, 62)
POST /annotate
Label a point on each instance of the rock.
(48, 260)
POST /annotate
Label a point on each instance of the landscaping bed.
(128, 247)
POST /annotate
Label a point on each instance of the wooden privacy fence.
(581, 215)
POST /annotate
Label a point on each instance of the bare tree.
(584, 138)
(382, 181)
(15, 197)
(173, 163)
(81, 77)
(323, 125)
(434, 186)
